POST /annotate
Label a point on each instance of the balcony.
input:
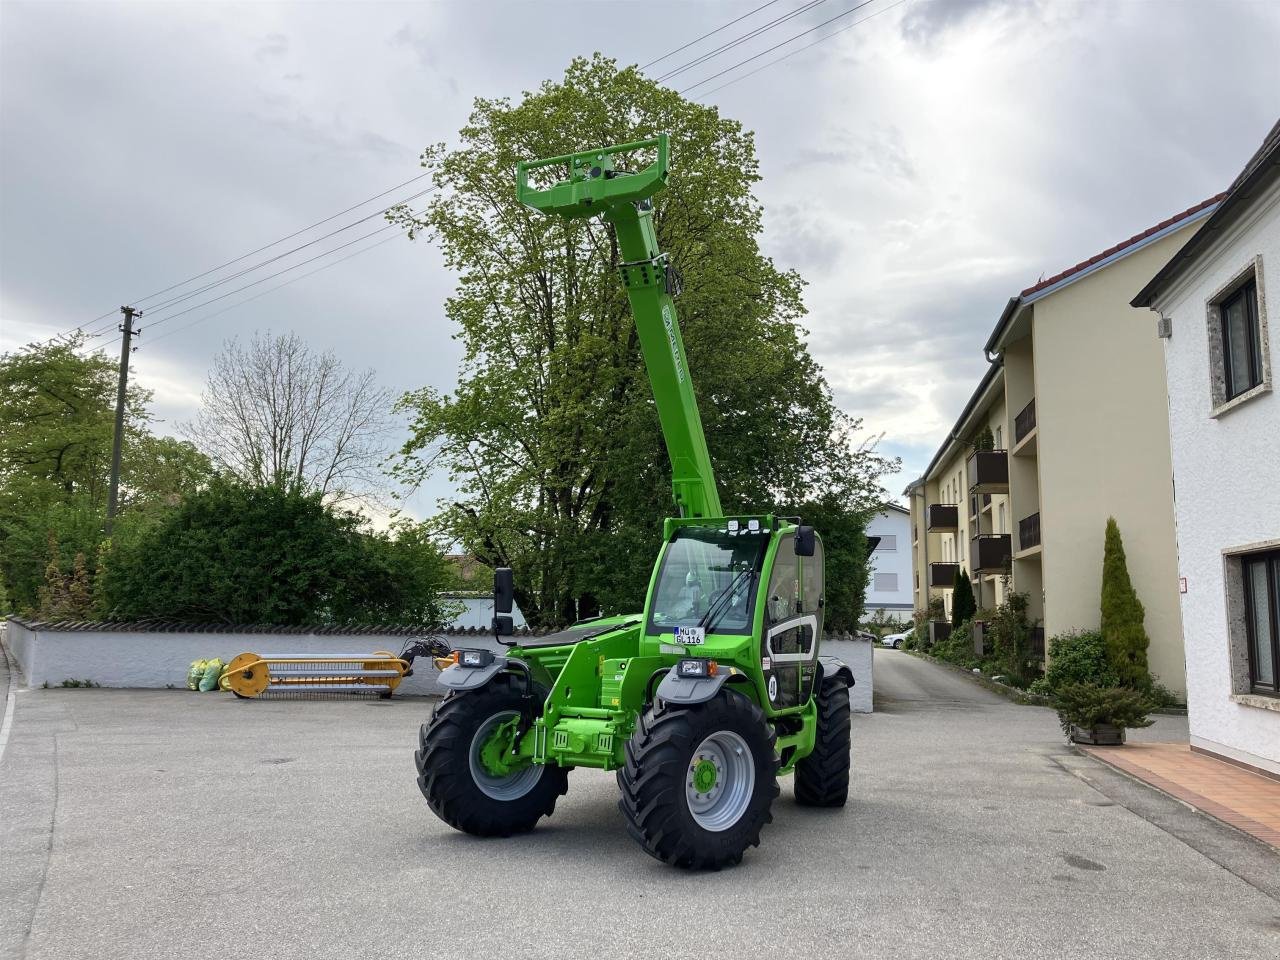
(943, 518)
(1029, 532)
(942, 574)
(989, 471)
(1024, 422)
(990, 553)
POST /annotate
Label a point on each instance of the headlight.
(696, 669)
(474, 658)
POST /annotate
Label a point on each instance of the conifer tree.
(1123, 630)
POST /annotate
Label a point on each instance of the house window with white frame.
(1239, 365)
(1241, 340)
(1261, 582)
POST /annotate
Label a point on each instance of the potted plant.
(1096, 714)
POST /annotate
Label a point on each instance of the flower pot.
(1100, 735)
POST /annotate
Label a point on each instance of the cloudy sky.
(919, 167)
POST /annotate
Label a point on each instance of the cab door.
(792, 625)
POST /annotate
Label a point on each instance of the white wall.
(897, 603)
(1227, 482)
(477, 612)
(159, 660)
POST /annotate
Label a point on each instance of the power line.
(792, 53)
(85, 327)
(271, 276)
(726, 26)
(263, 293)
(839, 16)
(750, 35)
(280, 256)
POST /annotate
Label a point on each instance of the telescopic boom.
(596, 188)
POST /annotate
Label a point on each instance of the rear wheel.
(822, 778)
(699, 782)
(463, 769)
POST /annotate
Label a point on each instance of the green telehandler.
(700, 701)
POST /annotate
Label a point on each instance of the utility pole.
(117, 442)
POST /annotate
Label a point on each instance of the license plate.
(691, 636)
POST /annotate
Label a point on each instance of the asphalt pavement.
(167, 824)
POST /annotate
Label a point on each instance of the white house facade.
(1218, 302)
(889, 588)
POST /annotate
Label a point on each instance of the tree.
(963, 605)
(1123, 617)
(551, 436)
(57, 405)
(276, 414)
(232, 553)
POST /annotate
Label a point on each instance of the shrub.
(1008, 639)
(1122, 629)
(1078, 657)
(1089, 704)
(963, 606)
(958, 648)
(238, 554)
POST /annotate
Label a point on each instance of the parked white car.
(894, 639)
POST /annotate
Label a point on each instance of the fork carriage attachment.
(250, 675)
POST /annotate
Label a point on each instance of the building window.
(1239, 365)
(1241, 349)
(1262, 620)
(998, 437)
(886, 583)
(888, 543)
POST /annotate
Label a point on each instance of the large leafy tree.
(57, 417)
(233, 553)
(551, 435)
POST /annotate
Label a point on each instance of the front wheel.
(463, 767)
(822, 778)
(699, 782)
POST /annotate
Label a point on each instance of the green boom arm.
(596, 188)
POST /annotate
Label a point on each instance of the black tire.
(660, 756)
(822, 778)
(443, 759)
(897, 644)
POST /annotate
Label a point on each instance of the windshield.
(705, 566)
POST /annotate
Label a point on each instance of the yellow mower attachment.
(251, 674)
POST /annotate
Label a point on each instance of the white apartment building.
(889, 588)
(1214, 299)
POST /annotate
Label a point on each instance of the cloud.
(917, 170)
(926, 20)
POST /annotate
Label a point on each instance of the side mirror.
(503, 626)
(504, 590)
(806, 541)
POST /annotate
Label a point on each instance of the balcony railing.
(989, 471)
(989, 553)
(1024, 422)
(942, 574)
(943, 517)
(1029, 532)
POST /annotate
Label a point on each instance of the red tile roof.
(1111, 251)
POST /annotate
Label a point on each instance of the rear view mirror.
(504, 590)
(806, 541)
(504, 596)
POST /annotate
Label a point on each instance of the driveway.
(176, 825)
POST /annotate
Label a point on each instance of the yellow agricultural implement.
(250, 675)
